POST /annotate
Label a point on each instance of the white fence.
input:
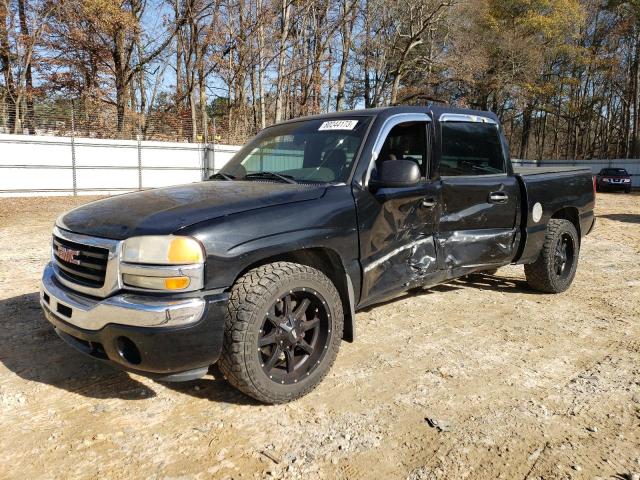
(32, 165)
(631, 165)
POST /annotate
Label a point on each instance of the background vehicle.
(613, 179)
(262, 268)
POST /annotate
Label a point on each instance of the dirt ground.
(479, 378)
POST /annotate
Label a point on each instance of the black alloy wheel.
(554, 269)
(294, 335)
(563, 257)
(283, 331)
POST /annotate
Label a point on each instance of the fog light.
(128, 350)
(156, 283)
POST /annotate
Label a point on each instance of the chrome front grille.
(86, 264)
(82, 264)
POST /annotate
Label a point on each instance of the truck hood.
(165, 210)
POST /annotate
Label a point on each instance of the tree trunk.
(367, 47)
(347, 31)
(142, 123)
(284, 35)
(121, 104)
(179, 52)
(194, 117)
(30, 111)
(526, 130)
(634, 148)
(261, 67)
(204, 118)
(121, 81)
(394, 88)
(6, 66)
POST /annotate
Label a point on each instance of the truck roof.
(433, 110)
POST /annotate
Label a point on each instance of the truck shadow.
(414, 292)
(484, 281)
(214, 389)
(622, 217)
(30, 348)
(479, 281)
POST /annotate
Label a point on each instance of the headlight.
(162, 263)
(162, 250)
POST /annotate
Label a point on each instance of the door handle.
(429, 202)
(498, 197)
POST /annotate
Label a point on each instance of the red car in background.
(613, 179)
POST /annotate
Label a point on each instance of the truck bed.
(553, 189)
(526, 171)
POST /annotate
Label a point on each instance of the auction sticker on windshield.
(339, 125)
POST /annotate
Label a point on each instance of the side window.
(471, 149)
(406, 141)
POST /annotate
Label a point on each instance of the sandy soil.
(521, 385)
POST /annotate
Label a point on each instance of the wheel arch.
(571, 214)
(327, 261)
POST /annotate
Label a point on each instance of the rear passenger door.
(480, 196)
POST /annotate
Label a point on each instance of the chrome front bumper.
(124, 309)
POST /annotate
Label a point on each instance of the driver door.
(397, 225)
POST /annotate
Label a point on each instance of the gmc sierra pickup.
(261, 268)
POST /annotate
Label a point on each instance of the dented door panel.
(475, 230)
(476, 248)
(396, 238)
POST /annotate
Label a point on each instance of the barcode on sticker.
(339, 125)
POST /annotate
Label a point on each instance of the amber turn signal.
(176, 283)
(156, 283)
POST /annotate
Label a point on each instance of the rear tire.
(555, 268)
(282, 332)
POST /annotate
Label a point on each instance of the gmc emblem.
(68, 255)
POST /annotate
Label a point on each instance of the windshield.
(306, 151)
(613, 171)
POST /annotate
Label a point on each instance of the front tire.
(282, 332)
(556, 265)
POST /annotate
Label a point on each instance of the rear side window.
(471, 149)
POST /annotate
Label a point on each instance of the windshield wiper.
(224, 176)
(284, 178)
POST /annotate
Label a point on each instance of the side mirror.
(396, 174)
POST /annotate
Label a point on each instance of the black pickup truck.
(261, 268)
